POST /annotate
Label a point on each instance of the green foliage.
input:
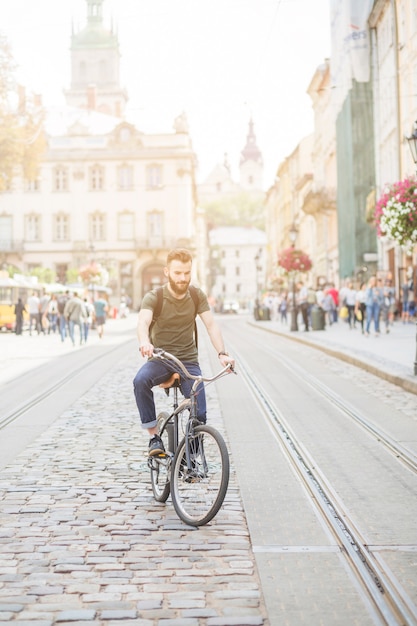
(22, 141)
(240, 209)
(44, 274)
(72, 275)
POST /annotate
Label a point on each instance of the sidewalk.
(19, 354)
(389, 356)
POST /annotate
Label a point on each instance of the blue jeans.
(372, 312)
(71, 325)
(154, 373)
(62, 327)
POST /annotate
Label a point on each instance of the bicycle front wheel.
(161, 466)
(198, 492)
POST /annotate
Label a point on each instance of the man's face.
(179, 276)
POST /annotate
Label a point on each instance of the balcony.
(321, 201)
(11, 245)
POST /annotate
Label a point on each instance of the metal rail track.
(400, 452)
(391, 604)
(21, 409)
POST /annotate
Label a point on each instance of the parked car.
(231, 306)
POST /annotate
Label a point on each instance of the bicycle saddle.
(173, 381)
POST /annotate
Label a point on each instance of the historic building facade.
(106, 192)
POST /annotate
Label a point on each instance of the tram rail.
(390, 602)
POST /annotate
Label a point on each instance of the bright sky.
(220, 61)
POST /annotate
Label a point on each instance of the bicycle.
(195, 470)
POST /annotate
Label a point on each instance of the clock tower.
(95, 66)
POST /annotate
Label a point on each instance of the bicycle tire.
(197, 497)
(161, 467)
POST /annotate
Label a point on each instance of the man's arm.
(216, 337)
(144, 321)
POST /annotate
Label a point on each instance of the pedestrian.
(52, 313)
(174, 332)
(360, 306)
(62, 322)
(33, 305)
(43, 312)
(349, 300)
(283, 307)
(311, 301)
(101, 308)
(335, 295)
(303, 303)
(328, 306)
(388, 304)
(75, 314)
(88, 320)
(19, 309)
(373, 301)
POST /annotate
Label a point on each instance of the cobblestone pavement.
(83, 541)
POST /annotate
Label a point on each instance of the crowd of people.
(62, 314)
(367, 306)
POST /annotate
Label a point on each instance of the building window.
(6, 232)
(237, 271)
(155, 224)
(61, 227)
(237, 253)
(97, 227)
(218, 187)
(32, 185)
(60, 179)
(33, 228)
(125, 177)
(250, 180)
(154, 176)
(126, 226)
(96, 178)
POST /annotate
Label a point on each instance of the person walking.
(75, 314)
(52, 313)
(360, 306)
(349, 299)
(100, 312)
(43, 312)
(303, 303)
(62, 322)
(174, 332)
(19, 309)
(33, 305)
(388, 304)
(89, 310)
(373, 301)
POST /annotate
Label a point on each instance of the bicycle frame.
(186, 403)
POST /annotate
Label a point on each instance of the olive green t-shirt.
(174, 329)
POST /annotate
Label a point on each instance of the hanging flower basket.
(396, 213)
(292, 260)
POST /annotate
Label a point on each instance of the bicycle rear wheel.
(161, 465)
(198, 494)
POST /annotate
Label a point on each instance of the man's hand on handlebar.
(146, 350)
(225, 359)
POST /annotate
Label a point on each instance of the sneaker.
(156, 446)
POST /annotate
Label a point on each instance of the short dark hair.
(179, 254)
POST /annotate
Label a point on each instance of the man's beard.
(179, 288)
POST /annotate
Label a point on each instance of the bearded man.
(173, 331)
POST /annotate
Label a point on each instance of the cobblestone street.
(83, 541)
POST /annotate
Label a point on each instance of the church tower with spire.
(95, 66)
(251, 163)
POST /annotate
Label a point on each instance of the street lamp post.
(412, 143)
(256, 308)
(294, 323)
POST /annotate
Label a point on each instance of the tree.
(236, 210)
(43, 274)
(22, 140)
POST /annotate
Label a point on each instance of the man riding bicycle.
(173, 331)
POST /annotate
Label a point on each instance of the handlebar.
(159, 353)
